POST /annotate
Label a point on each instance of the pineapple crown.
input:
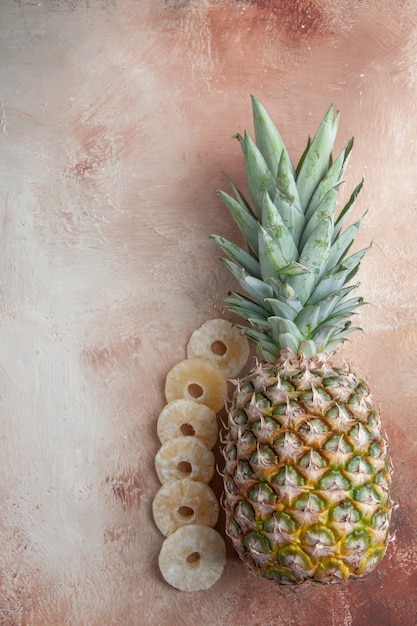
(295, 272)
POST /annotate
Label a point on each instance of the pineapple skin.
(306, 477)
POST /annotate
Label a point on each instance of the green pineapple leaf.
(281, 308)
(331, 282)
(344, 292)
(248, 307)
(326, 208)
(238, 255)
(314, 256)
(271, 257)
(265, 345)
(273, 223)
(284, 291)
(281, 326)
(288, 341)
(255, 287)
(343, 243)
(315, 162)
(258, 174)
(287, 200)
(327, 306)
(331, 179)
(244, 219)
(347, 210)
(323, 336)
(270, 355)
(294, 269)
(268, 138)
(316, 250)
(352, 263)
(307, 320)
(239, 196)
(349, 305)
(303, 157)
(337, 337)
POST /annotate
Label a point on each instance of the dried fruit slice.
(197, 379)
(184, 457)
(182, 502)
(222, 342)
(192, 558)
(186, 417)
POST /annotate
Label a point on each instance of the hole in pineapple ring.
(187, 429)
(192, 558)
(184, 467)
(218, 348)
(195, 390)
(186, 512)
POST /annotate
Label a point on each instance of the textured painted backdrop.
(116, 123)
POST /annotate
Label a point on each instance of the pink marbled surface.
(116, 123)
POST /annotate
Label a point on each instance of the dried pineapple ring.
(223, 342)
(197, 379)
(184, 457)
(182, 502)
(187, 417)
(192, 558)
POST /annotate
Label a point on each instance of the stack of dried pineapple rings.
(185, 508)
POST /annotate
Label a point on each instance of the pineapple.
(223, 342)
(306, 476)
(184, 501)
(184, 417)
(184, 457)
(197, 379)
(192, 558)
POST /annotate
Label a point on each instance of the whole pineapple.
(306, 477)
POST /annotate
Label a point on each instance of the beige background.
(116, 123)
